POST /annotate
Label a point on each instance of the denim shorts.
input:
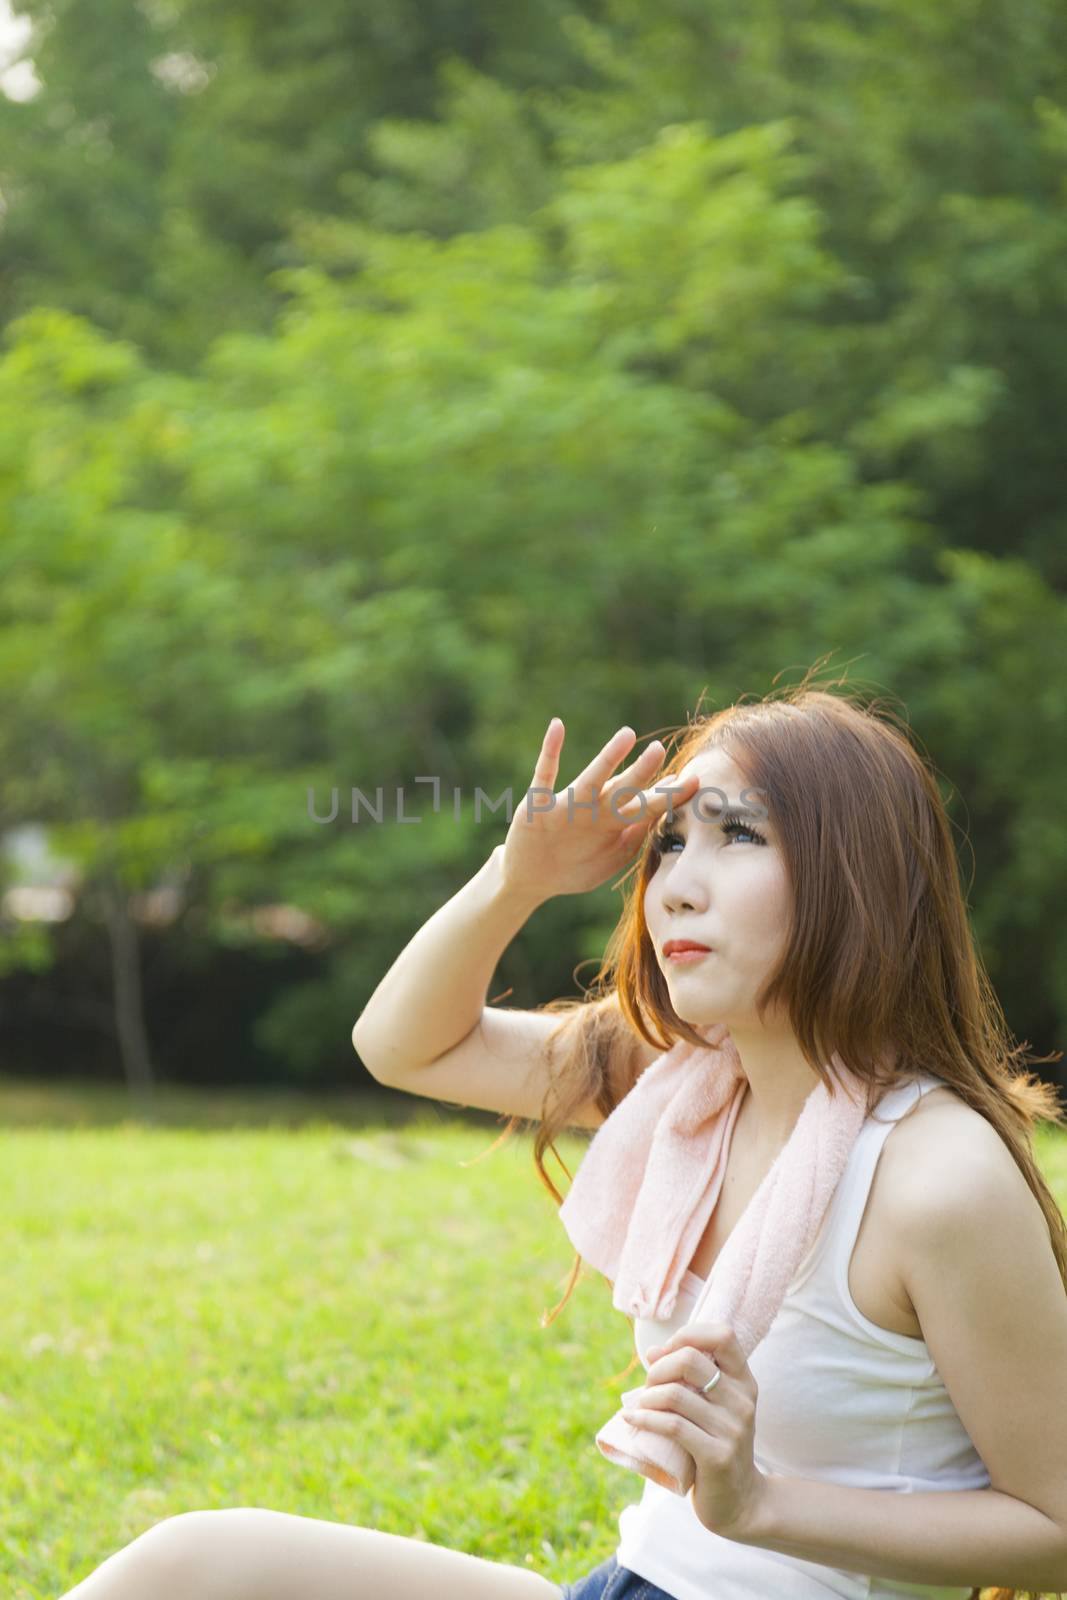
(609, 1581)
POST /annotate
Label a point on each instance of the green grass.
(306, 1305)
(326, 1319)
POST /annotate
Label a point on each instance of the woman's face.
(722, 887)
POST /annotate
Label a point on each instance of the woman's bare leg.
(247, 1553)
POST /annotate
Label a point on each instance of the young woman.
(902, 1427)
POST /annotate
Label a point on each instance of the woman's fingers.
(644, 764)
(599, 771)
(546, 767)
(592, 780)
(600, 781)
(652, 802)
(621, 794)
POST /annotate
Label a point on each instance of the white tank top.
(840, 1399)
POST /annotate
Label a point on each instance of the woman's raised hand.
(563, 843)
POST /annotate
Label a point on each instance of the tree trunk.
(134, 1049)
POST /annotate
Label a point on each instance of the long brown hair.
(880, 953)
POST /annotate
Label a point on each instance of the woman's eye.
(665, 839)
(741, 827)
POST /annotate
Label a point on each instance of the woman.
(902, 1428)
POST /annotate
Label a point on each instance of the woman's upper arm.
(978, 1264)
(501, 1065)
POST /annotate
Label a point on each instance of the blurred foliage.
(378, 384)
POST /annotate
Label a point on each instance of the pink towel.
(648, 1183)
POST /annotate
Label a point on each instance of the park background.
(377, 382)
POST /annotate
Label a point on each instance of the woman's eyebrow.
(712, 807)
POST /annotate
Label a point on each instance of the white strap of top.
(855, 1185)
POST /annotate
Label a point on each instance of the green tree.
(643, 429)
(152, 183)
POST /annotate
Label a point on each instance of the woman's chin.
(691, 1011)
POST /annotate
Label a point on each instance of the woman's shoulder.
(940, 1120)
(940, 1144)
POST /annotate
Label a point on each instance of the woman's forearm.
(951, 1536)
(435, 991)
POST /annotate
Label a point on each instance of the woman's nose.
(685, 891)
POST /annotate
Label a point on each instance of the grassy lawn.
(309, 1306)
(302, 1304)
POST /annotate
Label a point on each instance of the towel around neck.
(650, 1179)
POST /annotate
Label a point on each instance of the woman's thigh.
(248, 1553)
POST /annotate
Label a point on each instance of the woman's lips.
(681, 956)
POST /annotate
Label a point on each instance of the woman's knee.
(157, 1562)
(182, 1551)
